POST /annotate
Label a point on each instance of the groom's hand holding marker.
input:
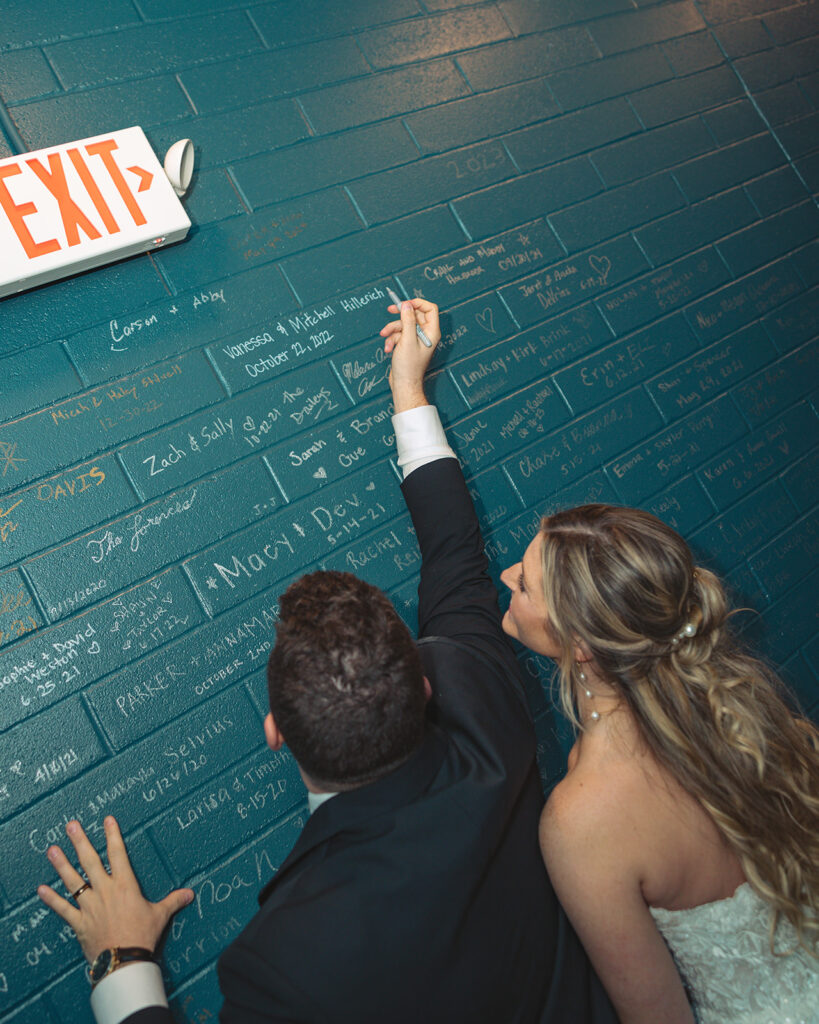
(412, 348)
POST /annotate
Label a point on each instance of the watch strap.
(117, 956)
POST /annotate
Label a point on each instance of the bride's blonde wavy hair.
(625, 584)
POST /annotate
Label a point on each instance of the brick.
(808, 168)
(801, 682)
(783, 103)
(151, 49)
(683, 97)
(506, 543)
(25, 75)
(788, 558)
(565, 337)
(259, 76)
(801, 136)
(734, 122)
(364, 369)
(295, 21)
(786, 26)
(39, 22)
(810, 86)
(19, 615)
(640, 28)
(318, 163)
(347, 262)
(48, 366)
(482, 116)
(405, 600)
(290, 342)
(729, 166)
(494, 497)
(743, 37)
(802, 481)
(128, 549)
(229, 572)
(237, 804)
(683, 506)
(696, 226)
(731, 537)
(475, 268)
(58, 661)
(744, 591)
(742, 301)
(806, 263)
(766, 451)
(276, 231)
(62, 434)
(27, 941)
(617, 210)
(570, 134)
(710, 371)
(592, 380)
(676, 450)
(383, 558)
(779, 385)
(423, 38)
(663, 290)
(212, 197)
(773, 237)
(443, 394)
(789, 623)
(527, 57)
(613, 76)
(43, 754)
(197, 996)
(528, 16)
(573, 451)
(764, 70)
(136, 336)
(716, 11)
(492, 209)
(691, 53)
(776, 191)
(574, 280)
(383, 95)
(393, 193)
(62, 506)
(472, 325)
(652, 151)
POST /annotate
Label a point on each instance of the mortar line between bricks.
(10, 130)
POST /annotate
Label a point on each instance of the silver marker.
(397, 302)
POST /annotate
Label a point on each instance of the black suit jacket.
(422, 898)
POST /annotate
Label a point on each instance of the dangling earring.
(594, 715)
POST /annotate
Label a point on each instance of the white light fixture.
(179, 165)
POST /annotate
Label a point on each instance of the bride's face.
(527, 618)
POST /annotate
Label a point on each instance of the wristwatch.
(110, 959)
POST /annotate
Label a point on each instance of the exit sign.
(72, 207)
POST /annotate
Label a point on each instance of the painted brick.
(800, 136)
(364, 369)
(789, 25)
(190, 449)
(744, 36)
(422, 38)
(471, 326)
(577, 279)
(741, 301)
(318, 163)
(733, 122)
(683, 506)
(151, 49)
(62, 506)
(773, 237)
(613, 76)
(238, 568)
(729, 166)
(295, 21)
(130, 339)
(563, 338)
(382, 95)
(695, 226)
(24, 75)
(640, 28)
(62, 434)
(616, 211)
(676, 450)
(237, 804)
(737, 533)
(808, 168)
(709, 372)
(49, 366)
(779, 385)
(405, 600)
(525, 16)
(128, 549)
(260, 76)
(766, 451)
(792, 555)
(212, 197)
(785, 626)
(617, 367)
(810, 86)
(197, 996)
(5, 148)
(494, 497)
(566, 136)
(691, 53)
(59, 661)
(363, 257)
(271, 233)
(783, 103)
(663, 290)
(476, 268)
(442, 393)
(19, 615)
(806, 263)
(394, 193)
(764, 70)
(482, 116)
(565, 455)
(384, 558)
(39, 21)
(802, 481)
(775, 191)
(529, 57)
(682, 97)
(492, 209)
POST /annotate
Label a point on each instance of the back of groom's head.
(344, 680)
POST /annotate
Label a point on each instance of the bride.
(684, 839)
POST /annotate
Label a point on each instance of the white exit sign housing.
(72, 207)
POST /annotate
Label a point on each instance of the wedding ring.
(75, 895)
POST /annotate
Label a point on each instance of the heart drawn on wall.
(601, 265)
(485, 319)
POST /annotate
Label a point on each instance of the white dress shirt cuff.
(420, 438)
(129, 988)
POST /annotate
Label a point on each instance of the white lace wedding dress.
(723, 953)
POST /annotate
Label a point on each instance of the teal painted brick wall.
(615, 204)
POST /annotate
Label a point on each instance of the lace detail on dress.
(723, 953)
